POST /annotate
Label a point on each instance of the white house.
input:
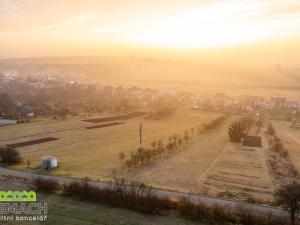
(31, 114)
(49, 162)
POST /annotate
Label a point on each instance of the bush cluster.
(9, 156)
(141, 198)
(221, 215)
(47, 185)
(238, 130)
(130, 195)
(206, 127)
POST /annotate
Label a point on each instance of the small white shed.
(49, 162)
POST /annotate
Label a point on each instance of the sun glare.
(218, 25)
(94, 26)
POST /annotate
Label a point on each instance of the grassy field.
(209, 164)
(183, 169)
(63, 210)
(94, 152)
(213, 166)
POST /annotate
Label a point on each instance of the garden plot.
(104, 125)
(32, 142)
(239, 172)
(113, 118)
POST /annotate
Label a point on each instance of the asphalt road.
(160, 192)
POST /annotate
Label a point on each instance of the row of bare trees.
(143, 156)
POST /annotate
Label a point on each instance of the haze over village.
(150, 112)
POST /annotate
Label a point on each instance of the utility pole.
(141, 135)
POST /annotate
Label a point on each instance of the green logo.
(17, 196)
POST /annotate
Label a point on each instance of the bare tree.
(141, 155)
(160, 147)
(129, 164)
(288, 196)
(28, 163)
(148, 154)
(153, 144)
(179, 141)
(186, 136)
(170, 146)
(192, 130)
(259, 124)
(270, 130)
(175, 137)
(122, 156)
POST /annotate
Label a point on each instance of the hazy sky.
(95, 27)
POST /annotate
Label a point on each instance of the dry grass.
(240, 173)
(214, 166)
(210, 164)
(182, 170)
(94, 152)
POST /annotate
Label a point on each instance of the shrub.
(247, 217)
(9, 155)
(221, 215)
(131, 195)
(47, 185)
(187, 209)
(224, 215)
(237, 131)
